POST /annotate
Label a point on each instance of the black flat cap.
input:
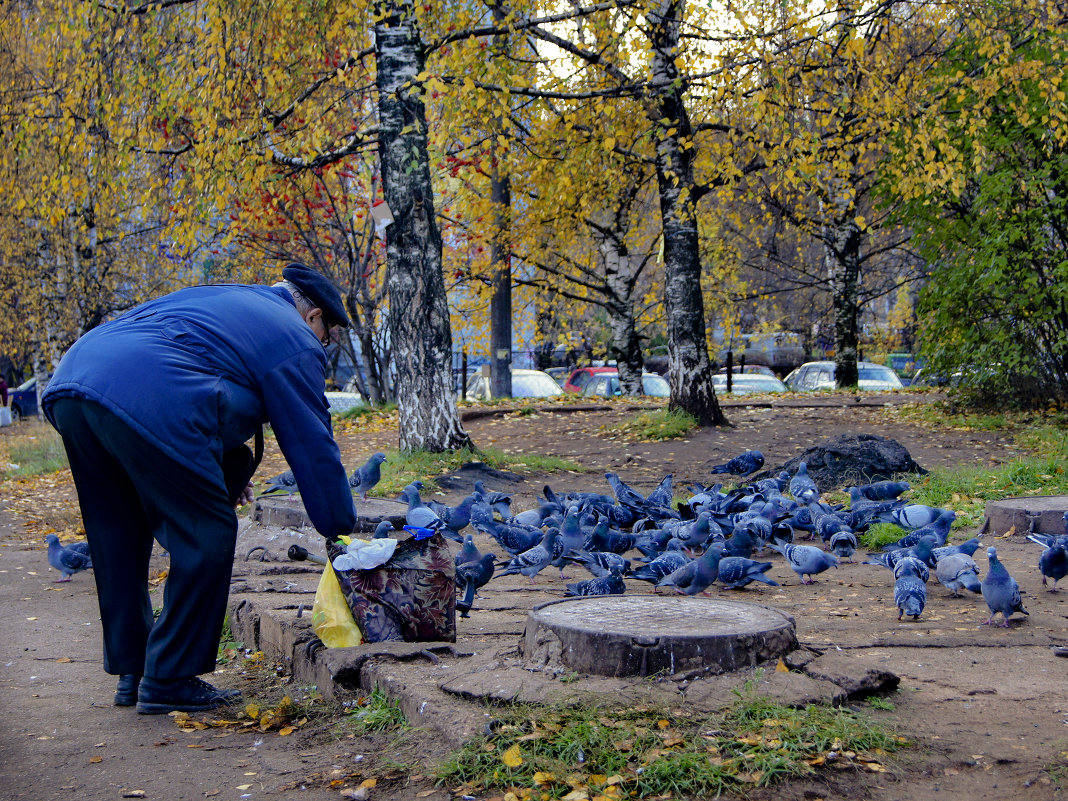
(317, 288)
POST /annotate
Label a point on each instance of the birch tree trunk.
(420, 332)
(689, 369)
(841, 249)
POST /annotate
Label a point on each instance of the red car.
(579, 378)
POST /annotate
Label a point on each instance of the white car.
(343, 401)
(747, 383)
(813, 376)
(525, 384)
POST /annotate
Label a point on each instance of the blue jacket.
(198, 371)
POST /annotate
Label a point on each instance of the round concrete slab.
(646, 634)
(1042, 514)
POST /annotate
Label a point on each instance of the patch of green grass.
(229, 648)
(367, 410)
(879, 535)
(401, 469)
(654, 426)
(38, 451)
(376, 712)
(875, 702)
(645, 751)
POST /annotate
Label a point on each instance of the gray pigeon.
(1000, 591)
(470, 577)
(921, 550)
(968, 548)
(609, 584)
(382, 530)
(663, 494)
(696, 575)
(571, 541)
(420, 515)
(844, 544)
(534, 560)
(367, 476)
(600, 563)
(468, 551)
(743, 465)
(68, 560)
(499, 502)
(913, 516)
(805, 560)
(910, 594)
(883, 490)
(665, 564)
(802, 487)
(958, 571)
(283, 482)
(736, 572)
(939, 527)
(911, 566)
(1053, 562)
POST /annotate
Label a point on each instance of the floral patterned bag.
(412, 597)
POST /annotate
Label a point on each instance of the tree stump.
(646, 635)
(1035, 514)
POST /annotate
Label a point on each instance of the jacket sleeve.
(299, 415)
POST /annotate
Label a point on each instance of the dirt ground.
(986, 706)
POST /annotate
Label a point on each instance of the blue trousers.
(131, 493)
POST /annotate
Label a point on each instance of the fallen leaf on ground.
(512, 757)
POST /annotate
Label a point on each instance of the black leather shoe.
(160, 696)
(126, 691)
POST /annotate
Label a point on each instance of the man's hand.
(246, 496)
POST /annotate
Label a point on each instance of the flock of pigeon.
(714, 535)
(687, 546)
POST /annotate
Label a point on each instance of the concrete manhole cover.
(643, 635)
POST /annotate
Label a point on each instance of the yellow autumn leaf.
(663, 724)
(543, 777)
(781, 667)
(285, 731)
(368, 784)
(253, 711)
(511, 757)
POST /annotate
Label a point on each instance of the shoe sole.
(147, 708)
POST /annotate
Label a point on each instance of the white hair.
(303, 304)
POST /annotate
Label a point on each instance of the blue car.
(23, 400)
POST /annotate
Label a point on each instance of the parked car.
(525, 384)
(747, 383)
(780, 350)
(578, 379)
(606, 385)
(23, 400)
(749, 368)
(343, 401)
(813, 376)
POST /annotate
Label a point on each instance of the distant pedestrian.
(5, 412)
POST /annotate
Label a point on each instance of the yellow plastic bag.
(331, 616)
